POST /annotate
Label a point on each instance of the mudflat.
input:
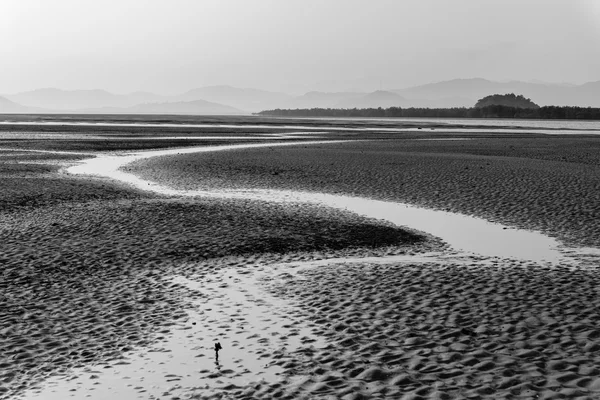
(352, 307)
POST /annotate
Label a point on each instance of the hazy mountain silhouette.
(227, 99)
(465, 92)
(10, 107)
(69, 100)
(322, 99)
(245, 99)
(589, 92)
(453, 93)
(135, 98)
(564, 84)
(197, 107)
(453, 88)
(379, 98)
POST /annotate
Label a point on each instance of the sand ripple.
(466, 329)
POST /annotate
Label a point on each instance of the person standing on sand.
(217, 348)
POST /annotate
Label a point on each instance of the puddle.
(258, 333)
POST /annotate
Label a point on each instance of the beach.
(113, 288)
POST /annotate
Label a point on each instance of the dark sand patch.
(549, 184)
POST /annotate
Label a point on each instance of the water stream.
(462, 232)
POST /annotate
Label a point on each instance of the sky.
(294, 46)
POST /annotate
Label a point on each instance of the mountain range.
(465, 92)
(195, 107)
(231, 100)
(10, 107)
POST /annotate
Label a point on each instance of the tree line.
(491, 111)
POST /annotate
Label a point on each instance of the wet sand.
(113, 291)
(86, 283)
(546, 184)
(500, 329)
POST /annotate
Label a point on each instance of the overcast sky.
(295, 46)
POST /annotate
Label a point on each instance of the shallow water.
(190, 125)
(560, 124)
(254, 329)
(462, 232)
(451, 129)
(550, 127)
(67, 136)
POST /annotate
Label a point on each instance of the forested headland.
(509, 100)
(493, 106)
(492, 111)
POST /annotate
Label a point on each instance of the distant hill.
(244, 99)
(140, 97)
(10, 107)
(453, 88)
(446, 94)
(508, 100)
(379, 98)
(321, 99)
(68, 100)
(467, 91)
(198, 107)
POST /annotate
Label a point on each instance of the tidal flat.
(109, 289)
